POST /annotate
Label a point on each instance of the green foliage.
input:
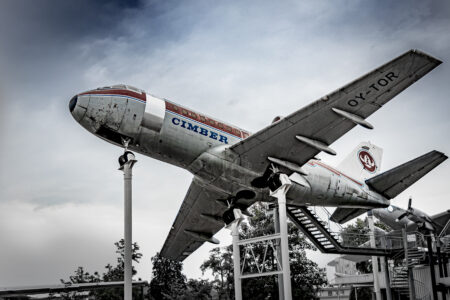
(167, 281)
(358, 233)
(383, 226)
(220, 263)
(355, 234)
(198, 290)
(113, 273)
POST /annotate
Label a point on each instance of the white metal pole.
(276, 221)
(127, 166)
(236, 261)
(281, 196)
(385, 267)
(376, 284)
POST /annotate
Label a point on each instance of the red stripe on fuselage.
(120, 92)
(312, 163)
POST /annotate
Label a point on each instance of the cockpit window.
(122, 87)
(134, 89)
(119, 86)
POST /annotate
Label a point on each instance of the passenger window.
(192, 115)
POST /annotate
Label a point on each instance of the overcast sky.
(244, 62)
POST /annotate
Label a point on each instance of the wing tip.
(428, 56)
(441, 155)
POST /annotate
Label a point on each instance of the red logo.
(367, 161)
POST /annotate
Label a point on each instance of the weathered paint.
(200, 144)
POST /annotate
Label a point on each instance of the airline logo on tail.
(367, 161)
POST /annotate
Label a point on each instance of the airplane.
(413, 219)
(233, 168)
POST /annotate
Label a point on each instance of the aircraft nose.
(78, 106)
(73, 103)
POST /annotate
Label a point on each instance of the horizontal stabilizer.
(342, 214)
(393, 182)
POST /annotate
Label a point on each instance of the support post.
(445, 265)
(439, 257)
(385, 267)
(276, 220)
(282, 184)
(127, 161)
(431, 263)
(376, 284)
(236, 261)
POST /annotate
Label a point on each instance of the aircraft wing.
(199, 218)
(300, 136)
(441, 221)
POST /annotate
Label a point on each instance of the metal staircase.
(323, 238)
(445, 248)
(415, 256)
(399, 275)
(399, 281)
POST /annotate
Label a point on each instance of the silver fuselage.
(200, 144)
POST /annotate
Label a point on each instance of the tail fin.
(393, 182)
(363, 162)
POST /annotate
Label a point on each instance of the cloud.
(243, 62)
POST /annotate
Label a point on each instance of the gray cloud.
(243, 62)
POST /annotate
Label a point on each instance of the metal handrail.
(328, 214)
(395, 271)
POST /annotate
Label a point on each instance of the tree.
(113, 273)
(305, 275)
(358, 233)
(355, 234)
(220, 263)
(167, 281)
(198, 289)
(80, 276)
